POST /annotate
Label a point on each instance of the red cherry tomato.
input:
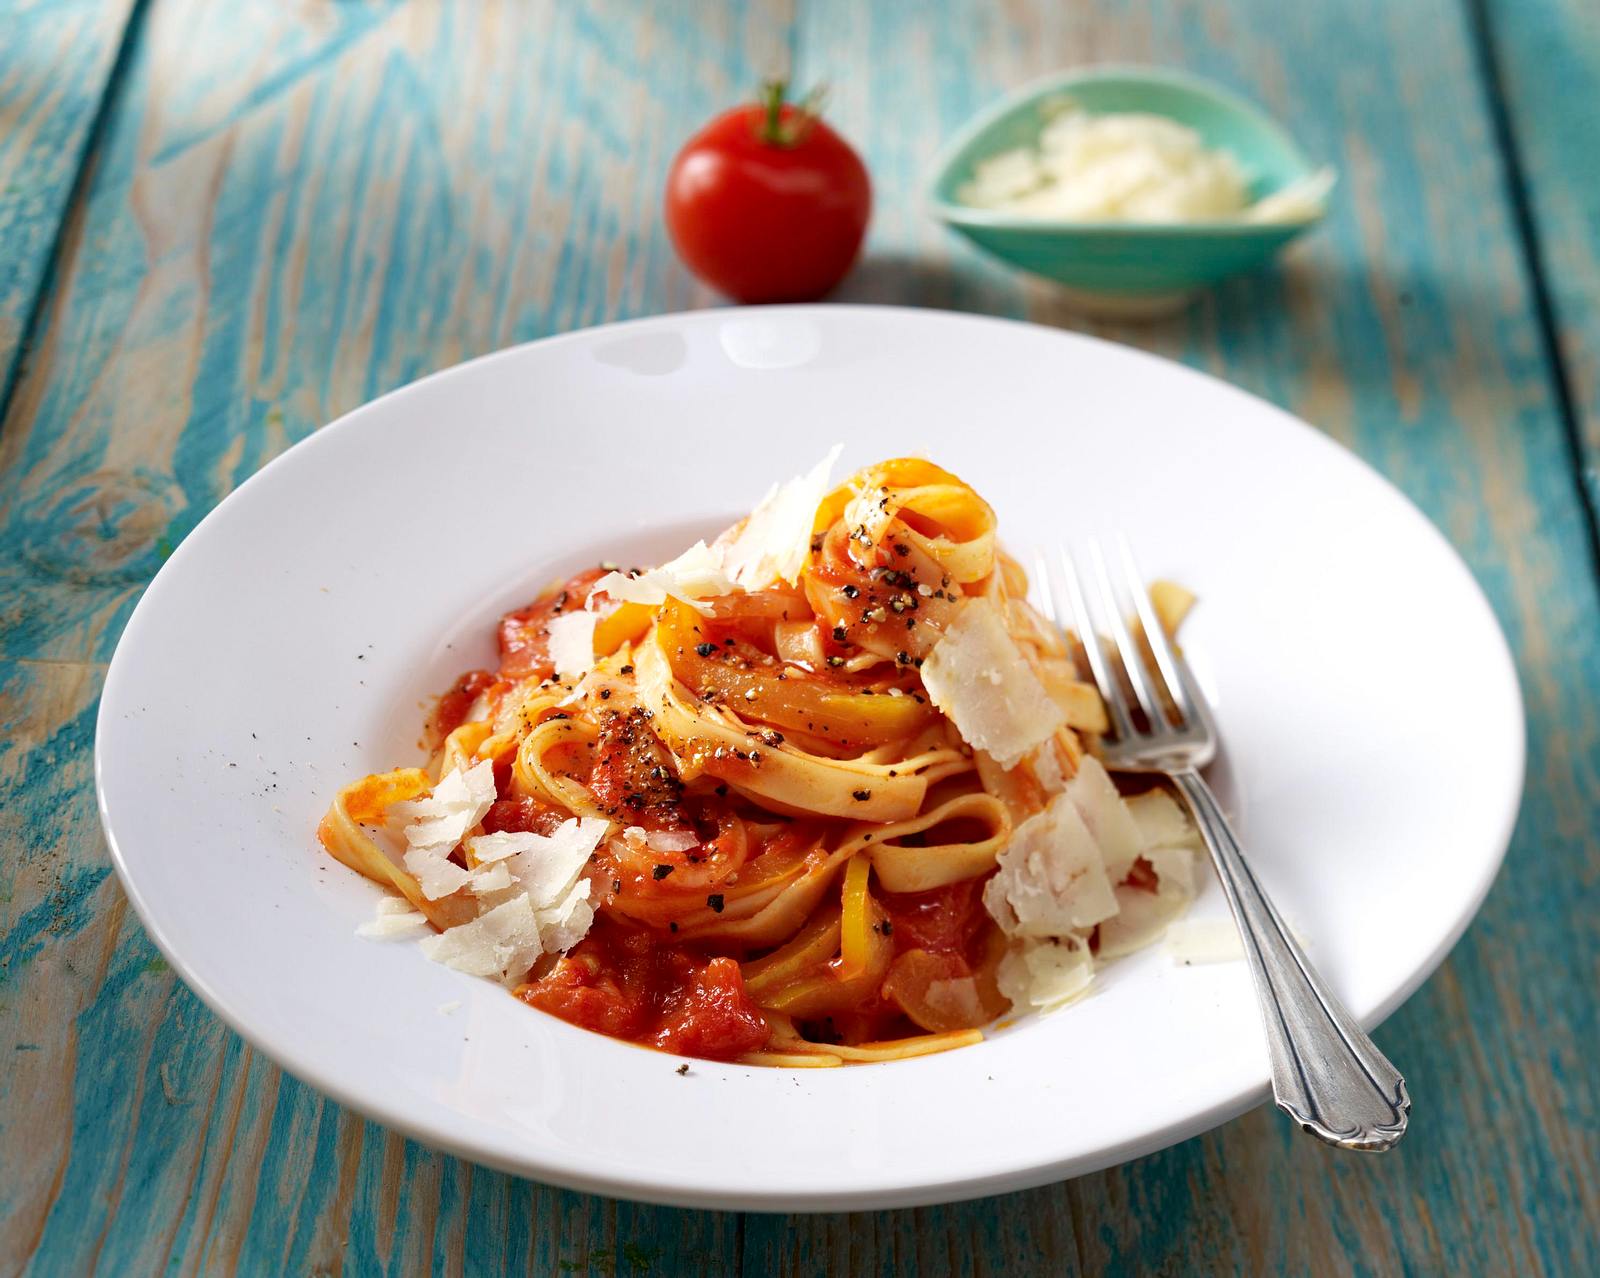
(767, 203)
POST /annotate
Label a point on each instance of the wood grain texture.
(1406, 328)
(1546, 59)
(295, 208)
(56, 59)
(329, 202)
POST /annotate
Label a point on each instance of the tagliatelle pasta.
(822, 792)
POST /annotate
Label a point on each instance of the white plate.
(1371, 714)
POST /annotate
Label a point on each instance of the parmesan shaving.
(1042, 975)
(1046, 768)
(490, 878)
(1140, 918)
(566, 924)
(771, 546)
(672, 840)
(393, 917)
(572, 643)
(694, 575)
(1051, 878)
(547, 865)
(978, 676)
(1161, 822)
(457, 804)
(1191, 941)
(503, 942)
(438, 823)
(496, 847)
(1106, 814)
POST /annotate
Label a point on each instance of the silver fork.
(1326, 1073)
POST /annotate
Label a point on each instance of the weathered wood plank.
(55, 68)
(1407, 329)
(334, 200)
(58, 924)
(1546, 59)
(329, 202)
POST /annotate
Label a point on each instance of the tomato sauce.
(451, 711)
(947, 920)
(522, 816)
(624, 981)
(525, 633)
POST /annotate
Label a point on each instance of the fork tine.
(1083, 623)
(1180, 680)
(1132, 662)
(1154, 632)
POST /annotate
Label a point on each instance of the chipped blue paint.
(55, 61)
(1404, 327)
(1546, 59)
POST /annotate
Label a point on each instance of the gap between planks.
(83, 166)
(1480, 28)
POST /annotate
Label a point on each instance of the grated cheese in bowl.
(1130, 167)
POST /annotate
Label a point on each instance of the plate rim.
(302, 1067)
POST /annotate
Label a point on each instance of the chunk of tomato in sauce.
(525, 633)
(451, 711)
(945, 920)
(626, 982)
(522, 816)
(634, 780)
(715, 1017)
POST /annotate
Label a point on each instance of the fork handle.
(1326, 1073)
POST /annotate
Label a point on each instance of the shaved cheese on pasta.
(572, 642)
(545, 865)
(393, 917)
(503, 942)
(436, 874)
(496, 847)
(457, 804)
(1107, 817)
(1142, 916)
(1174, 869)
(1051, 879)
(567, 923)
(694, 575)
(1192, 941)
(490, 878)
(1042, 975)
(1162, 823)
(773, 543)
(438, 824)
(1046, 767)
(672, 840)
(978, 676)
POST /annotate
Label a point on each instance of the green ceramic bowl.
(1125, 268)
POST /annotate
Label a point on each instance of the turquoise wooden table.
(222, 225)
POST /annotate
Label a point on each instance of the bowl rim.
(967, 215)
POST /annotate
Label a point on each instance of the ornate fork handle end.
(1327, 1074)
(1371, 1137)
